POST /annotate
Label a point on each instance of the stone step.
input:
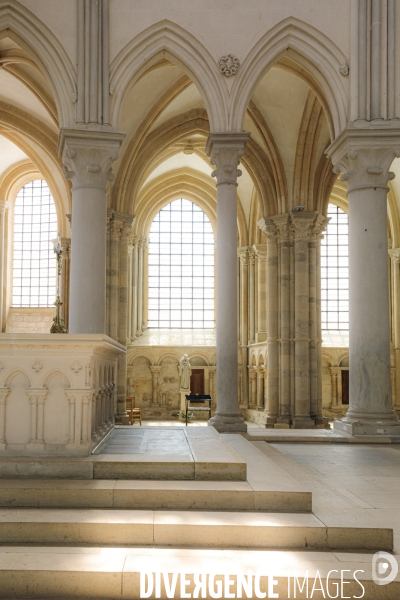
(154, 495)
(84, 572)
(184, 529)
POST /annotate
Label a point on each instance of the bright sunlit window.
(34, 263)
(181, 268)
(335, 271)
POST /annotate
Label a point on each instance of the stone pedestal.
(225, 151)
(364, 162)
(56, 393)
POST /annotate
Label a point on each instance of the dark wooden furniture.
(198, 399)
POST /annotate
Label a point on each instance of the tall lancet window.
(335, 271)
(34, 264)
(181, 268)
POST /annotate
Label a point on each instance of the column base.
(368, 425)
(228, 423)
(303, 423)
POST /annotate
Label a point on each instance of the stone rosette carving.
(229, 65)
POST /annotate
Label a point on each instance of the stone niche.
(153, 377)
(139, 382)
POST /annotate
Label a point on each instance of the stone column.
(334, 386)
(253, 387)
(115, 229)
(87, 157)
(252, 261)
(260, 388)
(122, 331)
(272, 408)
(3, 209)
(141, 246)
(395, 256)
(211, 376)
(285, 236)
(155, 373)
(364, 159)
(244, 303)
(225, 151)
(302, 222)
(261, 255)
(134, 288)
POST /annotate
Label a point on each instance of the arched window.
(335, 271)
(181, 268)
(34, 264)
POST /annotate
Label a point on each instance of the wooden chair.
(135, 414)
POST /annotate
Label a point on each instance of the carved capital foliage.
(155, 370)
(261, 253)
(303, 224)
(395, 255)
(37, 396)
(318, 228)
(253, 372)
(225, 150)
(269, 230)
(363, 157)
(115, 229)
(243, 256)
(3, 206)
(142, 242)
(87, 157)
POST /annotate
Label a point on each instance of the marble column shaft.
(395, 256)
(364, 160)
(87, 157)
(225, 151)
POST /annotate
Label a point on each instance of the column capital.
(4, 204)
(142, 242)
(269, 230)
(395, 255)
(37, 396)
(284, 227)
(303, 224)
(225, 150)
(260, 251)
(155, 370)
(87, 156)
(364, 156)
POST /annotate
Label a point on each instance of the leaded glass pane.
(34, 264)
(335, 272)
(181, 250)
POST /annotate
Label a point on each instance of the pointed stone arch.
(29, 32)
(166, 40)
(298, 45)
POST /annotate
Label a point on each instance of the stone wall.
(153, 377)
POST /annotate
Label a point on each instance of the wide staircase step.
(115, 573)
(197, 529)
(154, 495)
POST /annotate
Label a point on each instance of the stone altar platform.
(176, 453)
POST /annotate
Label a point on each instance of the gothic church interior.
(221, 181)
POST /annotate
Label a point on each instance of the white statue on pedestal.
(184, 372)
